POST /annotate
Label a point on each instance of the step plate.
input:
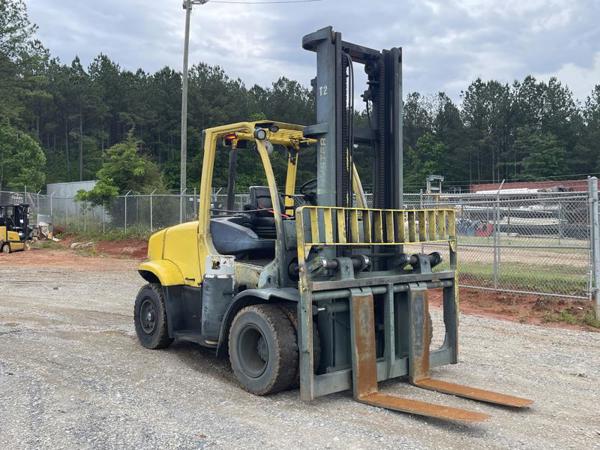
(472, 393)
(420, 408)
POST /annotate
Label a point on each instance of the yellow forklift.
(14, 227)
(309, 285)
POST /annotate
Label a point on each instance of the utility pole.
(187, 5)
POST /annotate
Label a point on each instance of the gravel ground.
(72, 375)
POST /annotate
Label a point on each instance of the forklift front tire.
(150, 317)
(6, 248)
(263, 349)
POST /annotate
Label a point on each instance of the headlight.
(260, 134)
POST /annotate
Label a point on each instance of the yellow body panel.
(167, 272)
(173, 255)
(156, 244)
(13, 238)
(181, 248)
(290, 181)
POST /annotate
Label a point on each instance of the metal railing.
(540, 243)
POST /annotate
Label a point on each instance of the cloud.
(580, 80)
(446, 43)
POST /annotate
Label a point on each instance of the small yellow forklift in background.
(14, 227)
(309, 285)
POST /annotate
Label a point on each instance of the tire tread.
(285, 363)
(163, 340)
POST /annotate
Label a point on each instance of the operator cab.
(14, 227)
(16, 218)
(243, 218)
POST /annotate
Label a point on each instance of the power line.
(266, 2)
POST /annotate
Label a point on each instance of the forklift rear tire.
(150, 317)
(263, 349)
(6, 248)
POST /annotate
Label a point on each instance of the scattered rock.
(78, 245)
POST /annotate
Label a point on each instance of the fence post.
(151, 212)
(51, 213)
(37, 208)
(181, 197)
(125, 215)
(595, 242)
(560, 215)
(195, 203)
(495, 243)
(497, 237)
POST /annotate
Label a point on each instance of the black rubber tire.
(5, 248)
(275, 334)
(151, 299)
(291, 311)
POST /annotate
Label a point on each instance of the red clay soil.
(524, 308)
(65, 259)
(130, 248)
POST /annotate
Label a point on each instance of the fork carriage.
(398, 297)
(393, 299)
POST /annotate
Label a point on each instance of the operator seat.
(260, 208)
(232, 236)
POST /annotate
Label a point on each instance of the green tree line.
(67, 122)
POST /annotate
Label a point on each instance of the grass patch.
(536, 241)
(87, 251)
(590, 320)
(109, 235)
(573, 318)
(522, 276)
(527, 277)
(47, 244)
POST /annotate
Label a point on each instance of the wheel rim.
(148, 316)
(6, 248)
(253, 351)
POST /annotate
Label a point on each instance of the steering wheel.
(309, 192)
(309, 189)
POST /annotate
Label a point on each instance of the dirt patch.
(525, 308)
(65, 259)
(129, 248)
(121, 248)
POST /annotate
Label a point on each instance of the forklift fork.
(419, 358)
(364, 368)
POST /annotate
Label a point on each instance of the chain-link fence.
(540, 242)
(528, 243)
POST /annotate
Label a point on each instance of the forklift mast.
(334, 93)
(372, 295)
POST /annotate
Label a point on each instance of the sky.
(446, 43)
